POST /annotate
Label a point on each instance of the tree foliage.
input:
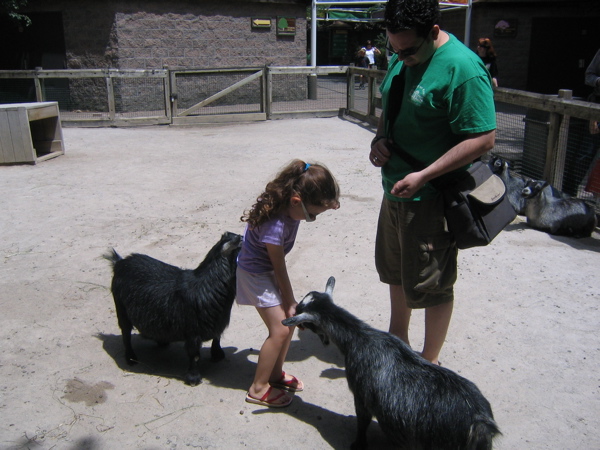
(11, 8)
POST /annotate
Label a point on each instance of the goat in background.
(557, 214)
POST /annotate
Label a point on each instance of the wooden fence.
(543, 136)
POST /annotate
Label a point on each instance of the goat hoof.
(216, 356)
(193, 380)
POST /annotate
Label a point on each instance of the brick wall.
(180, 34)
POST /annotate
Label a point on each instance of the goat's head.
(230, 242)
(532, 188)
(496, 164)
(311, 309)
(227, 249)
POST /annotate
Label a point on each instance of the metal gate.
(217, 95)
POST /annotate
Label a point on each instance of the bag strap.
(395, 97)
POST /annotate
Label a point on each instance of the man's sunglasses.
(403, 54)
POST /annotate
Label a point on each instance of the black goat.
(549, 210)
(169, 304)
(418, 405)
(514, 183)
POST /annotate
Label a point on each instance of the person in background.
(446, 119)
(371, 54)
(592, 78)
(485, 50)
(363, 62)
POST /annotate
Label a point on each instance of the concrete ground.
(525, 326)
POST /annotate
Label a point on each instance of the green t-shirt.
(446, 97)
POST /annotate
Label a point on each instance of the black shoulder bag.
(476, 206)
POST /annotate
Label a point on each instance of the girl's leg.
(272, 354)
(289, 380)
(278, 367)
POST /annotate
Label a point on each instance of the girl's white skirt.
(257, 289)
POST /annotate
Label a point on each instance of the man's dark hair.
(418, 15)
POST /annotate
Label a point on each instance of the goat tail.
(481, 434)
(112, 256)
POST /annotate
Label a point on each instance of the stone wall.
(181, 34)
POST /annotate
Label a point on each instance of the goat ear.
(297, 320)
(330, 286)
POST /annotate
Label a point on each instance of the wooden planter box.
(30, 133)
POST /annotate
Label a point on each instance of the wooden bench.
(30, 132)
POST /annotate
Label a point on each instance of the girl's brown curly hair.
(313, 183)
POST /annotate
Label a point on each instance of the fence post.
(312, 86)
(556, 148)
(350, 89)
(167, 89)
(174, 96)
(110, 91)
(269, 93)
(263, 90)
(39, 92)
(371, 95)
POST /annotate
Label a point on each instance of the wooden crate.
(30, 132)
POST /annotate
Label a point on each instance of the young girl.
(300, 191)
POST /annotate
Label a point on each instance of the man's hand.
(409, 185)
(380, 153)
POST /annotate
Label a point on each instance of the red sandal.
(292, 385)
(264, 400)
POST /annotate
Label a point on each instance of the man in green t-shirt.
(446, 120)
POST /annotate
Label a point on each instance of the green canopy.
(368, 11)
(365, 11)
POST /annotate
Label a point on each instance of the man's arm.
(380, 153)
(465, 152)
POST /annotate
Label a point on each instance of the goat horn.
(330, 286)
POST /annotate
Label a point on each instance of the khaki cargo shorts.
(414, 250)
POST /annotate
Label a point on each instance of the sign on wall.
(505, 28)
(261, 22)
(286, 26)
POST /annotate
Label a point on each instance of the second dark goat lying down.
(418, 405)
(558, 215)
(169, 304)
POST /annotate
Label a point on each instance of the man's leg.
(437, 321)
(400, 313)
